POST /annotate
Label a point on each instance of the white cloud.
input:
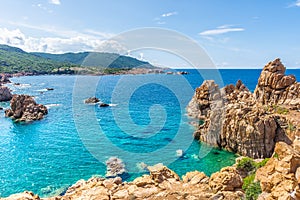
(75, 43)
(55, 2)
(221, 30)
(169, 14)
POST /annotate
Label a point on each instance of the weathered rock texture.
(162, 183)
(4, 78)
(92, 100)
(249, 124)
(5, 94)
(280, 177)
(24, 108)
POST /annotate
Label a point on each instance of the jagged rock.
(115, 167)
(92, 100)
(24, 108)
(159, 173)
(163, 183)
(274, 87)
(278, 178)
(249, 124)
(5, 94)
(228, 179)
(23, 196)
(4, 78)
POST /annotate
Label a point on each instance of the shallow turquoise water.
(147, 123)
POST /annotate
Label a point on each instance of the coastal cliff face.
(249, 123)
(24, 108)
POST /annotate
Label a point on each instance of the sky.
(234, 33)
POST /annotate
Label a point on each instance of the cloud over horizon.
(221, 30)
(79, 43)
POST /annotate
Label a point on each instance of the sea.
(145, 124)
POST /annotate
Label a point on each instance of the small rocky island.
(263, 124)
(25, 109)
(5, 94)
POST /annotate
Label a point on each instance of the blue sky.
(234, 33)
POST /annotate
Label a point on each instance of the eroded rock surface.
(280, 177)
(162, 183)
(249, 123)
(5, 94)
(24, 108)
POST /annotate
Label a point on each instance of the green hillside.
(14, 60)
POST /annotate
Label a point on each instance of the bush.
(262, 163)
(248, 181)
(246, 164)
(253, 191)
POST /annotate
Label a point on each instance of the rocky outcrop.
(24, 108)
(92, 100)
(280, 177)
(274, 87)
(162, 183)
(115, 167)
(4, 78)
(249, 124)
(5, 94)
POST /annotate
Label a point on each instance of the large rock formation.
(249, 124)
(24, 108)
(274, 87)
(162, 183)
(280, 177)
(5, 94)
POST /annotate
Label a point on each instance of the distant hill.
(14, 60)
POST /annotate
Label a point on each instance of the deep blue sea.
(146, 123)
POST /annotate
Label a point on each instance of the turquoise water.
(146, 123)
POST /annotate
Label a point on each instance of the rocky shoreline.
(263, 124)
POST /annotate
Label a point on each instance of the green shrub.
(262, 163)
(246, 164)
(248, 181)
(253, 191)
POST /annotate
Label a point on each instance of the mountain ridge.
(16, 60)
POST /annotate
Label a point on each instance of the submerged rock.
(249, 124)
(92, 100)
(5, 94)
(24, 108)
(103, 105)
(115, 167)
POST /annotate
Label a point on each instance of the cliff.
(248, 123)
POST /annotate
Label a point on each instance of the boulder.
(228, 179)
(4, 78)
(115, 167)
(24, 108)
(159, 173)
(103, 105)
(5, 94)
(92, 100)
